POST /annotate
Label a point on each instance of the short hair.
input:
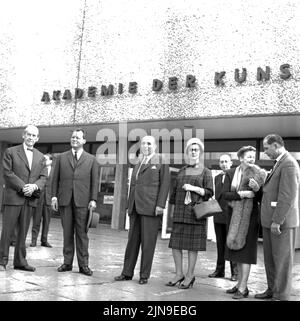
(274, 138)
(32, 126)
(244, 149)
(80, 130)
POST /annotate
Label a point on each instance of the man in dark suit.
(148, 193)
(25, 176)
(43, 210)
(221, 222)
(74, 192)
(279, 218)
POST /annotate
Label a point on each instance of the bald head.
(148, 145)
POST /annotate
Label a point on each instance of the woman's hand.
(246, 194)
(192, 188)
(253, 184)
(188, 187)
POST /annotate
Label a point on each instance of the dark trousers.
(74, 220)
(279, 253)
(143, 233)
(42, 211)
(221, 235)
(15, 216)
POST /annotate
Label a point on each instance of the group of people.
(32, 187)
(246, 195)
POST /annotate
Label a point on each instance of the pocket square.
(153, 167)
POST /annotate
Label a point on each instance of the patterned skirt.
(191, 237)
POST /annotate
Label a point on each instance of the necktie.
(223, 178)
(272, 169)
(142, 163)
(30, 149)
(75, 157)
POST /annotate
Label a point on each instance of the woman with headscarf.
(194, 184)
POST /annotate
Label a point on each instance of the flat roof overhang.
(214, 128)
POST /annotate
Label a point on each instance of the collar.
(79, 152)
(26, 148)
(147, 158)
(280, 156)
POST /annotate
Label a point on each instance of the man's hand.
(275, 228)
(159, 210)
(28, 189)
(92, 205)
(54, 204)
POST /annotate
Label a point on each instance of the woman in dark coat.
(236, 190)
(194, 184)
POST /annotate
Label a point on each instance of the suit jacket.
(151, 188)
(220, 218)
(16, 173)
(282, 186)
(79, 180)
(46, 194)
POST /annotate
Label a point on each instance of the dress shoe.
(46, 244)
(2, 267)
(238, 295)
(187, 286)
(123, 277)
(85, 270)
(25, 268)
(216, 274)
(233, 278)
(265, 295)
(32, 244)
(143, 280)
(170, 283)
(233, 290)
(64, 268)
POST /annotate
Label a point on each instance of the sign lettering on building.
(157, 84)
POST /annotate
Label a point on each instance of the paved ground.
(107, 248)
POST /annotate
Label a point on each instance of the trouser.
(143, 233)
(42, 212)
(15, 216)
(74, 220)
(221, 234)
(279, 253)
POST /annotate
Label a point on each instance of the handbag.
(206, 209)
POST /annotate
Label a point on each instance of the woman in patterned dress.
(194, 184)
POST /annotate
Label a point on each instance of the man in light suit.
(279, 218)
(148, 193)
(74, 192)
(43, 210)
(221, 222)
(25, 176)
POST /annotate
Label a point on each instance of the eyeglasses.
(194, 150)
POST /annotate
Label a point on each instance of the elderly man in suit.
(74, 193)
(221, 222)
(148, 193)
(43, 210)
(25, 176)
(279, 218)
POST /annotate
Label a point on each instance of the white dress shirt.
(29, 154)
